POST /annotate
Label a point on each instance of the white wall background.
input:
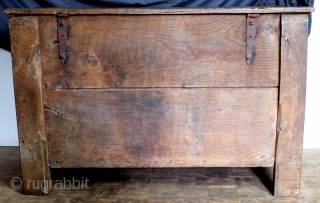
(312, 122)
(8, 124)
(8, 129)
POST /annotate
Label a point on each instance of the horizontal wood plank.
(128, 11)
(162, 127)
(160, 51)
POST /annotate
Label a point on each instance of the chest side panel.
(161, 127)
(110, 51)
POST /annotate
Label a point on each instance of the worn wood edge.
(283, 175)
(140, 11)
(292, 93)
(32, 138)
(292, 86)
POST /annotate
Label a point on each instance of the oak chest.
(179, 87)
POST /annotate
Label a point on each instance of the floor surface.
(159, 185)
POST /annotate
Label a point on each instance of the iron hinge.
(62, 31)
(252, 28)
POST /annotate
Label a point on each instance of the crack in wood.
(55, 112)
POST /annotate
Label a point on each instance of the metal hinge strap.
(62, 31)
(252, 28)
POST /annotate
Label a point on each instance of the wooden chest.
(179, 87)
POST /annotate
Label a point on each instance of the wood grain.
(160, 51)
(137, 90)
(200, 185)
(291, 110)
(28, 96)
(165, 127)
(129, 11)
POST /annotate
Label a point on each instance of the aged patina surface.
(109, 88)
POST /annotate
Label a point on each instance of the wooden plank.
(28, 96)
(161, 127)
(291, 108)
(200, 185)
(161, 51)
(130, 11)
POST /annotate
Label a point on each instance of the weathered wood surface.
(291, 110)
(160, 51)
(139, 126)
(128, 11)
(165, 127)
(200, 185)
(28, 96)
